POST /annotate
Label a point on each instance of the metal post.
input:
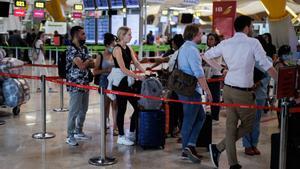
(43, 134)
(17, 53)
(283, 134)
(56, 56)
(61, 108)
(2, 122)
(102, 160)
(50, 56)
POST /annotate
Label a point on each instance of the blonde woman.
(122, 78)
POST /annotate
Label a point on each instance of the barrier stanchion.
(56, 56)
(17, 53)
(61, 109)
(283, 134)
(102, 160)
(2, 122)
(43, 134)
(50, 56)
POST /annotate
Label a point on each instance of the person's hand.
(209, 97)
(148, 68)
(139, 77)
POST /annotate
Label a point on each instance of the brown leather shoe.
(249, 151)
(256, 151)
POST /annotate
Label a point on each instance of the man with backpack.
(78, 63)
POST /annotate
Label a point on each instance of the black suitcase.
(205, 136)
(151, 129)
(293, 152)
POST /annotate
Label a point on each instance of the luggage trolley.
(13, 92)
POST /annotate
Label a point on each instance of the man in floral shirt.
(78, 63)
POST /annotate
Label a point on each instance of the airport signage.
(19, 12)
(38, 13)
(78, 7)
(20, 3)
(77, 15)
(39, 4)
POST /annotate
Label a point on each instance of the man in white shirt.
(240, 53)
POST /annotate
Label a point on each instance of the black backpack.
(62, 62)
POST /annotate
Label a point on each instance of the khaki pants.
(234, 114)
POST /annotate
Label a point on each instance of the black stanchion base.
(98, 161)
(46, 135)
(60, 110)
(2, 122)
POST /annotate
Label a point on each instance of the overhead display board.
(118, 21)
(133, 22)
(103, 27)
(89, 4)
(102, 4)
(116, 4)
(78, 7)
(60, 27)
(89, 28)
(132, 3)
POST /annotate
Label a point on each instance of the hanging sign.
(77, 15)
(78, 7)
(223, 17)
(39, 4)
(20, 3)
(38, 13)
(19, 12)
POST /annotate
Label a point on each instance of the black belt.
(239, 88)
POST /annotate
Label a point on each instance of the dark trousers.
(214, 88)
(122, 106)
(176, 114)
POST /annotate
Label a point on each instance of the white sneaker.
(71, 141)
(125, 141)
(82, 136)
(131, 136)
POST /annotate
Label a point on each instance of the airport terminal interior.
(38, 130)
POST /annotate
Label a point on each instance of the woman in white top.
(40, 50)
(211, 73)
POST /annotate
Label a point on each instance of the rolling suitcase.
(205, 135)
(151, 129)
(15, 92)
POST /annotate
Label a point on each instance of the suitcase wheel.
(16, 110)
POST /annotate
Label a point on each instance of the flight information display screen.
(115, 4)
(132, 3)
(102, 4)
(103, 27)
(88, 4)
(90, 30)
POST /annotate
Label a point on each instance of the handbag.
(90, 75)
(35, 54)
(180, 82)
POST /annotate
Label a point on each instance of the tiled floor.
(18, 150)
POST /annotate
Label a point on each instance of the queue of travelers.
(247, 63)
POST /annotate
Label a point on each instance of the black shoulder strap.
(176, 60)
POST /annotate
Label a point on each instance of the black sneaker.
(214, 155)
(190, 151)
(237, 166)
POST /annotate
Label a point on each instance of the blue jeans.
(78, 106)
(251, 139)
(193, 120)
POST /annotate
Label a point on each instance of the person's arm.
(159, 61)
(204, 86)
(136, 63)
(261, 57)
(212, 63)
(273, 73)
(83, 65)
(195, 64)
(117, 53)
(97, 70)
